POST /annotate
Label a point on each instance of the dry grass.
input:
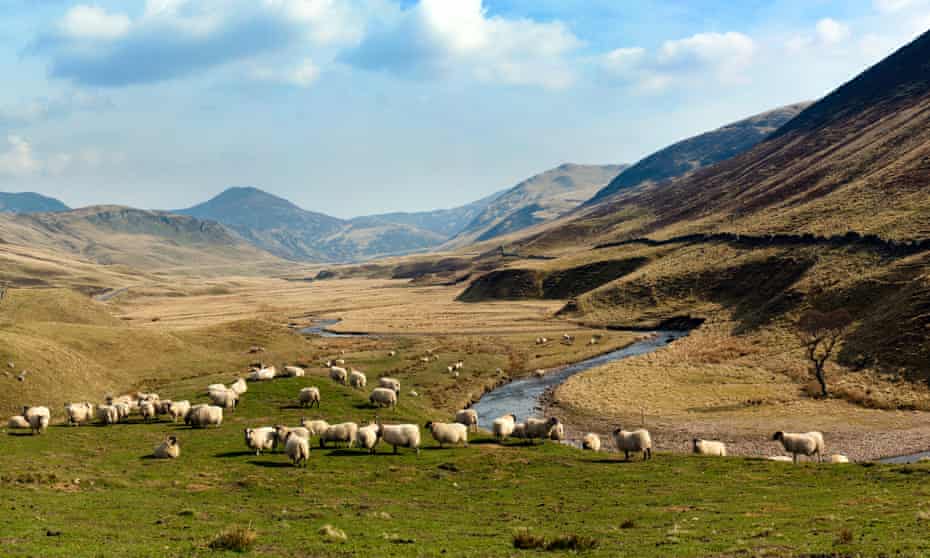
(236, 539)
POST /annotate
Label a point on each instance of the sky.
(355, 107)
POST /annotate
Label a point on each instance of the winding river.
(522, 397)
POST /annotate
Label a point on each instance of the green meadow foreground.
(94, 491)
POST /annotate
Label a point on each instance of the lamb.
(294, 372)
(708, 447)
(346, 432)
(38, 418)
(539, 428)
(315, 427)
(392, 353)
(503, 426)
(169, 449)
(448, 432)
(357, 379)
(239, 386)
(202, 416)
(107, 414)
(308, 396)
(591, 441)
(17, 421)
(383, 397)
(79, 413)
(338, 375)
(368, 437)
(635, 440)
(808, 444)
(837, 459)
(262, 374)
(297, 448)
(261, 439)
(227, 399)
(400, 435)
(468, 417)
(147, 410)
(179, 409)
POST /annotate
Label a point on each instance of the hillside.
(29, 202)
(443, 222)
(700, 151)
(538, 199)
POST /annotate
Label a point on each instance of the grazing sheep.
(539, 373)
(383, 397)
(389, 383)
(345, 432)
(468, 417)
(503, 426)
(294, 372)
(455, 374)
(568, 339)
(169, 449)
(635, 440)
(424, 359)
(215, 387)
(357, 379)
(261, 439)
(227, 399)
(122, 410)
(367, 437)
(297, 448)
(591, 441)
(557, 434)
(836, 459)
(79, 413)
(179, 409)
(338, 375)
(400, 435)
(163, 407)
(202, 416)
(809, 444)
(38, 418)
(262, 374)
(541, 340)
(519, 430)
(392, 353)
(315, 427)
(780, 458)
(308, 396)
(147, 410)
(450, 369)
(448, 432)
(539, 428)
(340, 362)
(107, 414)
(458, 365)
(17, 421)
(708, 447)
(282, 431)
(239, 386)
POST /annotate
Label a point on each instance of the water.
(319, 328)
(521, 397)
(905, 459)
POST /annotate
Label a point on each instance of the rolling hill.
(29, 202)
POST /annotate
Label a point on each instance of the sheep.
(635, 440)
(294, 372)
(202, 416)
(539, 373)
(179, 409)
(780, 458)
(591, 441)
(340, 362)
(215, 387)
(808, 444)
(367, 437)
(468, 417)
(169, 449)
(107, 414)
(239, 386)
(297, 448)
(383, 397)
(424, 359)
(539, 428)
(392, 353)
(448, 432)
(519, 430)
(837, 459)
(147, 410)
(261, 439)
(503, 426)
(315, 427)
(262, 374)
(541, 340)
(38, 418)
(338, 375)
(122, 410)
(79, 413)
(346, 432)
(17, 421)
(568, 339)
(357, 379)
(402, 435)
(557, 434)
(308, 396)
(282, 431)
(450, 369)
(227, 399)
(163, 407)
(458, 365)
(708, 447)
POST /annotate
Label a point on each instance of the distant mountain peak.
(29, 202)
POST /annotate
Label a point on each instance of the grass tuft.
(523, 539)
(332, 534)
(236, 539)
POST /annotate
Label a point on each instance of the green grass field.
(98, 488)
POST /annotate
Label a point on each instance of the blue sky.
(353, 107)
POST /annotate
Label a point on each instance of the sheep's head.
(428, 425)
(778, 436)
(618, 430)
(172, 440)
(553, 421)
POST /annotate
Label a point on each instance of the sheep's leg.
(627, 454)
(395, 449)
(795, 458)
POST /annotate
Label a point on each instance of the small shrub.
(332, 534)
(236, 539)
(524, 540)
(628, 524)
(575, 543)
(845, 536)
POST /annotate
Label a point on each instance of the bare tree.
(820, 333)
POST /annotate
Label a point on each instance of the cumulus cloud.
(17, 160)
(438, 37)
(91, 22)
(302, 75)
(20, 160)
(39, 109)
(831, 32)
(893, 6)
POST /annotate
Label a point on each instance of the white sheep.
(708, 447)
(215, 387)
(537, 428)
(261, 439)
(392, 353)
(297, 448)
(107, 414)
(367, 437)
(503, 426)
(79, 413)
(539, 373)
(38, 418)
(591, 441)
(390, 383)
(557, 434)
(448, 432)
(468, 417)
(202, 416)
(633, 440)
(179, 409)
(169, 449)
(17, 421)
(808, 443)
(123, 409)
(239, 386)
(780, 458)
(163, 407)
(400, 435)
(345, 432)
(357, 379)
(262, 374)
(282, 431)
(338, 375)
(294, 372)
(837, 459)
(315, 427)
(309, 396)
(458, 365)
(227, 399)
(147, 410)
(383, 397)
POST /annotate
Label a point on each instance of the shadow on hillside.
(348, 453)
(19, 433)
(234, 454)
(271, 464)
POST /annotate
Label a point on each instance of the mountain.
(444, 222)
(535, 200)
(701, 151)
(29, 202)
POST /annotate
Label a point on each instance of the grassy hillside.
(29, 202)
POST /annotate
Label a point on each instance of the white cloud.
(893, 6)
(18, 159)
(727, 54)
(303, 74)
(91, 22)
(622, 61)
(831, 32)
